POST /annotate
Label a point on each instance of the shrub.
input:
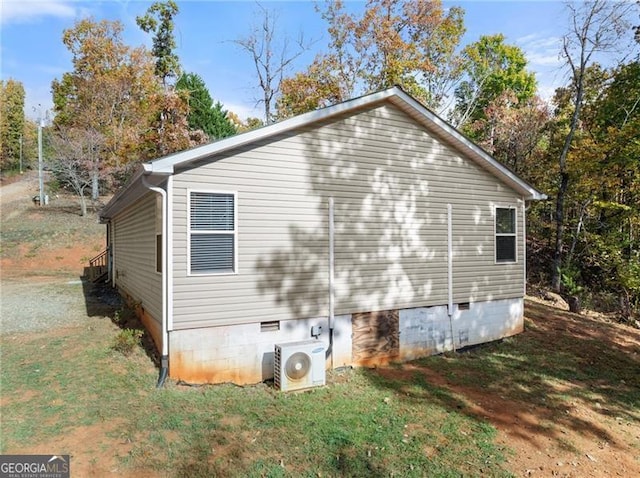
(127, 340)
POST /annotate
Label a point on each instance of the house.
(372, 224)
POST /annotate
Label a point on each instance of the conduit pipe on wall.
(331, 280)
(450, 272)
(164, 359)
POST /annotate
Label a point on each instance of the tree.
(12, 122)
(594, 27)
(159, 21)
(394, 42)
(75, 151)
(203, 113)
(308, 91)
(170, 127)
(246, 125)
(107, 95)
(513, 131)
(169, 131)
(411, 44)
(271, 58)
(491, 67)
(615, 121)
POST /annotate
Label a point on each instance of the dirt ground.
(592, 441)
(603, 445)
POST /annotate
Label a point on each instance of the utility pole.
(40, 172)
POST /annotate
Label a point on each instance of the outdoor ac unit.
(299, 365)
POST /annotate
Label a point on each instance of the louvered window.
(212, 232)
(505, 234)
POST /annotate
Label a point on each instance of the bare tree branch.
(271, 60)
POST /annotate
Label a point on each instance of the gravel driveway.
(30, 306)
(36, 295)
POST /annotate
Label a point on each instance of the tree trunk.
(574, 304)
(95, 186)
(83, 205)
(557, 257)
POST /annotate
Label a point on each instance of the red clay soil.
(588, 440)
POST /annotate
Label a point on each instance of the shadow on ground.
(102, 300)
(532, 384)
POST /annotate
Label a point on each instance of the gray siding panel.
(391, 183)
(135, 259)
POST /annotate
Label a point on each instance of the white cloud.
(544, 59)
(26, 11)
(243, 111)
(541, 50)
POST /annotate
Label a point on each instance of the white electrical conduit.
(450, 272)
(331, 279)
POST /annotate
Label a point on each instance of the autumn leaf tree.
(169, 131)
(609, 248)
(105, 98)
(394, 42)
(594, 27)
(514, 131)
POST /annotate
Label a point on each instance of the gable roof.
(435, 125)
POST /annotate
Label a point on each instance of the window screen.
(212, 231)
(505, 235)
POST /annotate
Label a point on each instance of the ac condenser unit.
(299, 365)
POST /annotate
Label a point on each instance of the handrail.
(98, 265)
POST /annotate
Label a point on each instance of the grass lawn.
(55, 388)
(70, 392)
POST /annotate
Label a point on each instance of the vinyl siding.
(135, 256)
(391, 182)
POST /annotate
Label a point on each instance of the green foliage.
(602, 212)
(12, 122)
(570, 281)
(491, 68)
(159, 21)
(203, 113)
(127, 340)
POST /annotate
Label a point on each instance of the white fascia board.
(167, 164)
(133, 190)
(497, 168)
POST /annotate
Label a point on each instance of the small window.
(505, 234)
(159, 253)
(158, 233)
(212, 233)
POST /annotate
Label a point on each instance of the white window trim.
(496, 234)
(234, 232)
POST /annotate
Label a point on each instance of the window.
(212, 232)
(505, 234)
(158, 233)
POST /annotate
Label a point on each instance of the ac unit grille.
(277, 361)
(299, 365)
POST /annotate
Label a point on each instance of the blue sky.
(32, 51)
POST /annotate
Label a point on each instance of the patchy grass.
(359, 425)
